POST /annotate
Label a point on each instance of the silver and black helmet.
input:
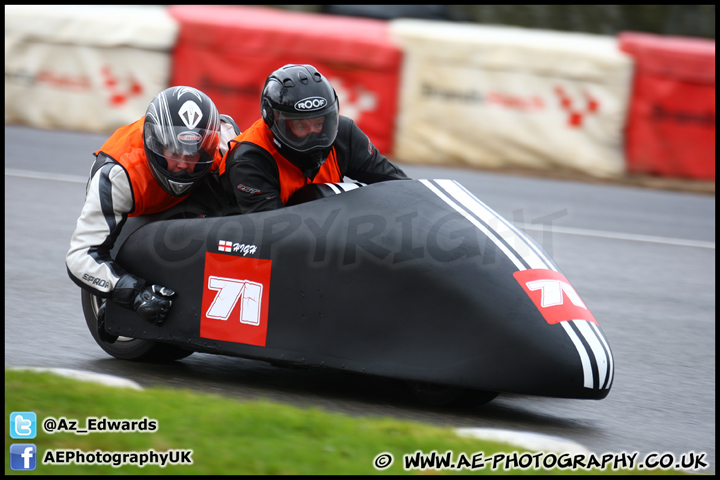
(181, 123)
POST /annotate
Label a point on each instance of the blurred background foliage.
(685, 20)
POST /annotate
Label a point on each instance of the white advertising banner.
(495, 96)
(88, 68)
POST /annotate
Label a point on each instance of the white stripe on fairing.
(528, 241)
(597, 349)
(584, 358)
(334, 188)
(529, 252)
(535, 259)
(533, 246)
(611, 363)
(347, 186)
(516, 241)
(474, 221)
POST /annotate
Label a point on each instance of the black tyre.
(126, 348)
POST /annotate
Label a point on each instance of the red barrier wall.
(671, 125)
(228, 52)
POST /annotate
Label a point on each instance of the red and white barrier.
(85, 67)
(492, 96)
(229, 51)
(671, 128)
(423, 91)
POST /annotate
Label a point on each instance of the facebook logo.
(23, 456)
(23, 425)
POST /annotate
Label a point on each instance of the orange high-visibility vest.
(291, 177)
(127, 148)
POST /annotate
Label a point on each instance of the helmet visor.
(194, 149)
(307, 131)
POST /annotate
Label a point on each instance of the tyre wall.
(228, 52)
(671, 124)
(494, 96)
(424, 91)
(88, 67)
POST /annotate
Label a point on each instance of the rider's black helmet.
(300, 92)
(181, 121)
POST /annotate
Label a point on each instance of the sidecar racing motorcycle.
(415, 280)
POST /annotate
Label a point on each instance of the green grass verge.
(228, 436)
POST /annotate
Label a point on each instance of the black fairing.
(385, 280)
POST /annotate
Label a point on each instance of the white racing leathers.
(108, 201)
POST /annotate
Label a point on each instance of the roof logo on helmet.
(311, 103)
(189, 138)
(190, 114)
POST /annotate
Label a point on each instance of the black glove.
(153, 303)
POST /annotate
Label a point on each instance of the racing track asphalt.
(643, 261)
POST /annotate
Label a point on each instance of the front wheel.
(126, 348)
